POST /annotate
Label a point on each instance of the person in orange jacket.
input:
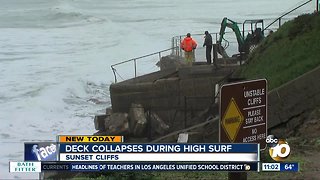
(188, 45)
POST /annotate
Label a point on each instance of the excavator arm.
(234, 26)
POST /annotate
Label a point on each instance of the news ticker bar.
(281, 167)
(37, 167)
(97, 166)
(89, 139)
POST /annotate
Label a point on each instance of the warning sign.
(232, 120)
(243, 112)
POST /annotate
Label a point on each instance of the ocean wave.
(13, 59)
(84, 100)
(72, 18)
(55, 17)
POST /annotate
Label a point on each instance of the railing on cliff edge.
(134, 60)
(280, 17)
(175, 44)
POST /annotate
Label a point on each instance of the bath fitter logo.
(25, 167)
(43, 153)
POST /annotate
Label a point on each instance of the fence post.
(180, 50)
(159, 56)
(216, 37)
(135, 68)
(114, 73)
(172, 46)
(175, 46)
(177, 50)
(216, 98)
(279, 22)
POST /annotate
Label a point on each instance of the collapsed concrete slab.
(138, 121)
(157, 125)
(99, 122)
(117, 124)
(109, 111)
(171, 62)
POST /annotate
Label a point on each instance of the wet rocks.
(135, 123)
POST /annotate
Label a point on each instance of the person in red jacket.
(188, 45)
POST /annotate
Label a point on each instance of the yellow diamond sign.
(232, 120)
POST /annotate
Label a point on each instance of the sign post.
(243, 112)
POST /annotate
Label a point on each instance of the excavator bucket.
(222, 51)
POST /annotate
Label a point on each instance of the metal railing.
(176, 40)
(134, 60)
(229, 43)
(199, 38)
(229, 35)
(175, 49)
(285, 14)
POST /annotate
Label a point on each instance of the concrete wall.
(291, 103)
(288, 107)
(169, 93)
(191, 88)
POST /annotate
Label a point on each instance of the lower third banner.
(98, 166)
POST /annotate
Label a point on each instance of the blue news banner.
(159, 152)
(158, 148)
(183, 157)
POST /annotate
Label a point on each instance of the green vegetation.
(287, 53)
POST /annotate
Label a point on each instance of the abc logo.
(279, 149)
(272, 141)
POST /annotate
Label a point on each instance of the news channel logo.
(247, 167)
(40, 151)
(279, 149)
